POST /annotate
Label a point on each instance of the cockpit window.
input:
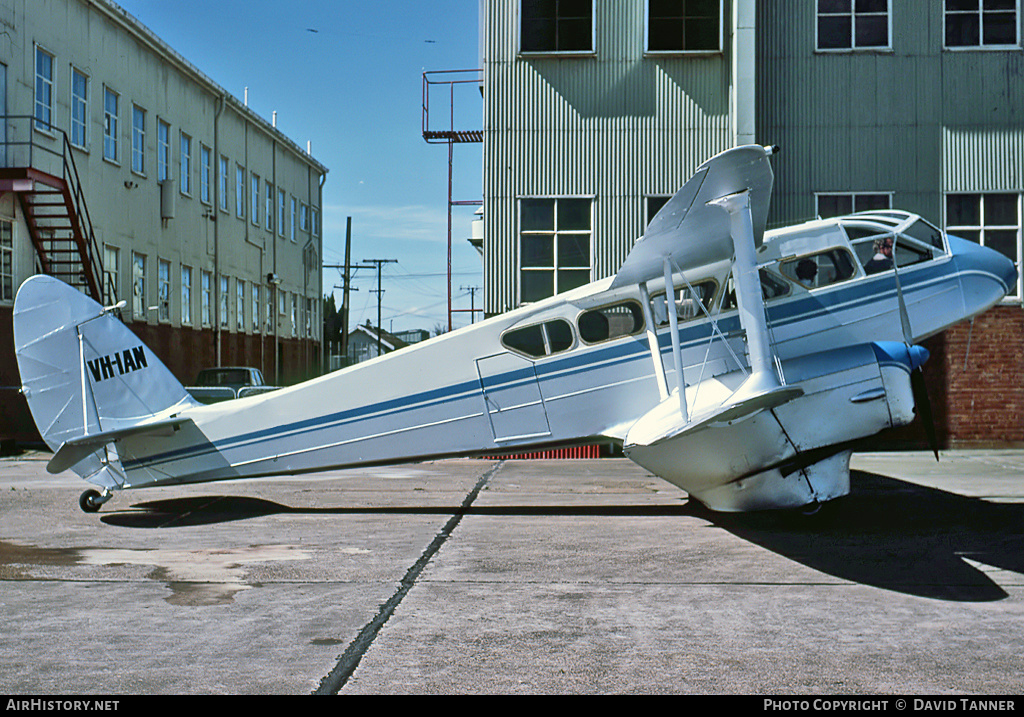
(688, 303)
(926, 234)
(540, 340)
(610, 322)
(822, 269)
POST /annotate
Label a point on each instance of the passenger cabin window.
(687, 302)
(772, 287)
(540, 340)
(610, 322)
(822, 269)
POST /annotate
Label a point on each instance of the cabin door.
(512, 397)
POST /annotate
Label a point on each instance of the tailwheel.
(91, 500)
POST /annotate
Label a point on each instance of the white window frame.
(983, 226)
(7, 271)
(163, 301)
(240, 175)
(254, 196)
(853, 15)
(658, 53)
(256, 307)
(111, 274)
(79, 120)
(269, 214)
(44, 91)
(139, 286)
(281, 199)
(240, 305)
(223, 303)
(163, 150)
(206, 298)
(205, 166)
(185, 163)
(222, 182)
(853, 199)
(294, 210)
(555, 232)
(592, 50)
(980, 13)
(111, 139)
(186, 295)
(138, 140)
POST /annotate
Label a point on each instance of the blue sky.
(347, 76)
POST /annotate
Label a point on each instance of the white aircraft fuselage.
(576, 368)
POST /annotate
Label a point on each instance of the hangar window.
(981, 23)
(837, 204)
(684, 25)
(610, 322)
(992, 220)
(822, 269)
(540, 340)
(556, 26)
(554, 246)
(853, 24)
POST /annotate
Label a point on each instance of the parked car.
(224, 383)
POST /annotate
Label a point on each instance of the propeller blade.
(924, 408)
(908, 335)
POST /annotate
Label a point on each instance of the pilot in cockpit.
(882, 259)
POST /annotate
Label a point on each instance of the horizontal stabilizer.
(76, 449)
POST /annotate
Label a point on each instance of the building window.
(240, 192)
(44, 90)
(186, 294)
(222, 304)
(222, 182)
(992, 220)
(554, 246)
(293, 219)
(186, 164)
(315, 220)
(111, 262)
(6, 260)
(653, 205)
(139, 286)
(280, 211)
(556, 26)
(254, 195)
(206, 297)
(304, 217)
(295, 314)
(79, 108)
(684, 26)
(164, 289)
(269, 218)
(853, 24)
(110, 108)
(240, 305)
(138, 140)
(837, 204)
(982, 23)
(255, 308)
(309, 318)
(204, 173)
(163, 150)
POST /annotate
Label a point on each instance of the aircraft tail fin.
(85, 374)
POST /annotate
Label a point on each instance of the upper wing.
(690, 232)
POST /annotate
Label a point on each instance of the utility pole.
(472, 301)
(380, 292)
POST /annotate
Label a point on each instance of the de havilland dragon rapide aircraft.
(737, 363)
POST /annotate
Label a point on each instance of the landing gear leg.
(91, 500)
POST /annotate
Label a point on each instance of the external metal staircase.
(50, 194)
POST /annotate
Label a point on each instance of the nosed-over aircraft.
(738, 364)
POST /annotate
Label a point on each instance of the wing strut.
(677, 351)
(762, 380)
(652, 342)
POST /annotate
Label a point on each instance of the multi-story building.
(596, 112)
(128, 172)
